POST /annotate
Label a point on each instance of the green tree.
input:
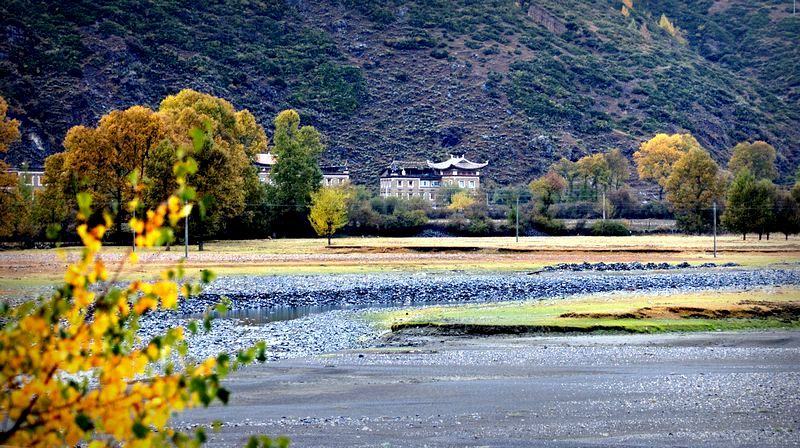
(656, 157)
(739, 216)
(360, 213)
(328, 210)
(296, 174)
(53, 203)
(569, 171)
(787, 214)
(758, 157)
(693, 185)
(763, 203)
(595, 172)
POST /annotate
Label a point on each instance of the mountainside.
(518, 83)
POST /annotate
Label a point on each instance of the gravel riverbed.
(338, 302)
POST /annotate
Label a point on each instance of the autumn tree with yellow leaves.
(460, 201)
(670, 28)
(328, 211)
(694, 184)
(71, 367)
(656, 157)
(138, 140)
(12, 203)
(226, 175)
(100, 160)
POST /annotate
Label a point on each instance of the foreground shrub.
(72, 370)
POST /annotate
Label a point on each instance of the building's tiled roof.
(457, 162)
(340, 170)
(265, 158)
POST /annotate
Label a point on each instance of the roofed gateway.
(417, 179)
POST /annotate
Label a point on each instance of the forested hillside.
(520, 83)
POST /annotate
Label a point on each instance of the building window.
(461, 184)
(436, 183)
(472, 184)
(411, 184)
(426, 183)
(399, 183)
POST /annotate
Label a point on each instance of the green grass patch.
(703, 311)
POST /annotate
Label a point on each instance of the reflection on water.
(255, 316)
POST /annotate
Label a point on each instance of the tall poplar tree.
(296, 173)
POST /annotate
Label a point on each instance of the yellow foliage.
(328, 210)
(460, 201)
(656, 157)
(692, 186)
(673, 30)
(625, 12)
(13, 206)
(9, 129)
(86, 330)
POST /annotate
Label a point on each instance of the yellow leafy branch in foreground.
(71, 369)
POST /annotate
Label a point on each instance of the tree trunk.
(767, 236)
(744, 236)
(329, 239)
(200, 244)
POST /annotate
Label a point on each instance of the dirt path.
(721, 389)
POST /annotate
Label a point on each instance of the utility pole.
(186, 237)
(517, 226)
(715, 229)
(604, 204)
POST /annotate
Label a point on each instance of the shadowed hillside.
(518, 83)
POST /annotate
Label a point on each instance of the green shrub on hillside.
(335, 88)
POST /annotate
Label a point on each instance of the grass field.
(758, 308)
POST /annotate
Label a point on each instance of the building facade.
(332, 175)
(33, 178)
(424, 179)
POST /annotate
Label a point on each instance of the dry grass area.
(355, 255)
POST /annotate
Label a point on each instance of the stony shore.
(335, 329)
